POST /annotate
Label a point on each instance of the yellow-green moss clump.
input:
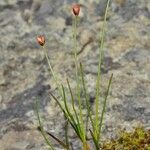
(139, 139)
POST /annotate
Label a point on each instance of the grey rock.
(22, 145)
(24, 72)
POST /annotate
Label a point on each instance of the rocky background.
(24, 74)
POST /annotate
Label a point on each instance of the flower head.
(41, 40)
(76, 9)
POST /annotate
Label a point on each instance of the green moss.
(139, 139)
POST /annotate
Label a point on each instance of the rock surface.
(24, 73)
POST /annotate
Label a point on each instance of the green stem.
(89, 115)
(104, 107)
(70, 119)
(51, 70)
(66, 134)
(41, 127)
(77, 77)
(73, 106)
(99, 73)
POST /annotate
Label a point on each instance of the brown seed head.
(41, 40)
(76, 9)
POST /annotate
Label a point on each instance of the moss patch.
(139, 139)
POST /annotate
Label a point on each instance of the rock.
(0, 98)
(148, 7)
(100, 10)
(44, 11)
(24, 71)
(86, 36)
(8, 2)
(22, 144)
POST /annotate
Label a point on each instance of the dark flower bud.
(76, 9)
(41, 40)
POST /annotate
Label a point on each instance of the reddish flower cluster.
(41, 40)
(76, 9)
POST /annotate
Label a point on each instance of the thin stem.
(69, 117)
(104, 107)
(72, 100)
(80, 131)
(77, 78)
(41, 127)
(58, 140)
(94, 140)
(53, 74)
(86, 96)
(99, 72)
(66, 134)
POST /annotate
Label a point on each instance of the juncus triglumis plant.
(73, 116)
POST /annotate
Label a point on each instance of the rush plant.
(76, 118)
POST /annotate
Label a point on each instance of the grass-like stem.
(104, 108)
(78, 78)
(101, 47)
(41, 126)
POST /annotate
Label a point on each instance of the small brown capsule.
(41, 40)
(76, 9)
